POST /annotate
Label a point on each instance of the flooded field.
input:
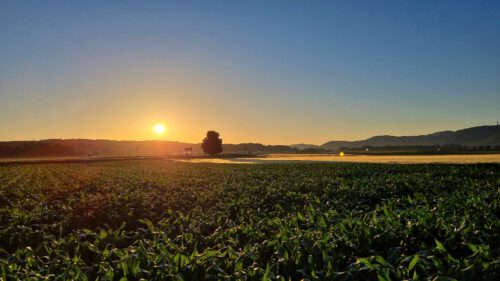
(388, 159)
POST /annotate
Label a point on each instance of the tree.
(212, 144)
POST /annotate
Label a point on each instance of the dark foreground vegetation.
(161, 220)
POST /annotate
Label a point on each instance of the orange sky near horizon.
(124, 105)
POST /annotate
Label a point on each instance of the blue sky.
(262, 71)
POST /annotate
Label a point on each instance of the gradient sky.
(276, 72)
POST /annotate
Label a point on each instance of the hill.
(470, 137)
(105, 148)
(482, 136)
(303, 146)
(35, 149)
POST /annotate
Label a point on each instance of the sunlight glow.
(159, 129)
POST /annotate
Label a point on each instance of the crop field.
(166, 220)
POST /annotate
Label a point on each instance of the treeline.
(35, 149)
(106, 148)
(256, 148)
(420, 148)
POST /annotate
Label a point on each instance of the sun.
(159, 129)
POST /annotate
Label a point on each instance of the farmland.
(157, 220)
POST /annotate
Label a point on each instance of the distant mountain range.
(470, 137)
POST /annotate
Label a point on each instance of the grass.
(157, 220)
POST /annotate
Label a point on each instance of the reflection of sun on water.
(159, 128)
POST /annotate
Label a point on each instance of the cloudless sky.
(276, 72)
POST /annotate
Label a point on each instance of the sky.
(274, 72)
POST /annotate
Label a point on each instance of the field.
(356, 158)
(157, 220)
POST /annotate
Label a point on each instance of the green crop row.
(162, 220)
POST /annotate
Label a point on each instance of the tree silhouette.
(212, 144)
